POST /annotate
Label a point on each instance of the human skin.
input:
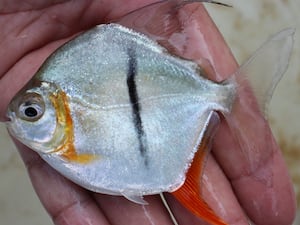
(236, 183)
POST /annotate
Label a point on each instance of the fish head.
(33, 117)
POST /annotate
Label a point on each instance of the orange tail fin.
(189, 194)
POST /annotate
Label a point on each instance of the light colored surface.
(244, 27)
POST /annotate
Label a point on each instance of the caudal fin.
(264, 69)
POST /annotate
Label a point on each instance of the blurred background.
(245, 27)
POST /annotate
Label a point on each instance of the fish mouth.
(9, 116)
(10, 123)
(7, 120)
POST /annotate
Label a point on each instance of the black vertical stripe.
(135, 105)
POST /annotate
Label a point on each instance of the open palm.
(235, 188)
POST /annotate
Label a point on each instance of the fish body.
(139, 112)
(118, 114)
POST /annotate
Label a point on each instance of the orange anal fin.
(189, 194)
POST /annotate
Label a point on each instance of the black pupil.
(31, 112)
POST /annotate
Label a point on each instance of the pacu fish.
(117, 114)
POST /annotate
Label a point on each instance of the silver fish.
(114, 112)
(129, 111)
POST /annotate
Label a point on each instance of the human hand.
(31, 32)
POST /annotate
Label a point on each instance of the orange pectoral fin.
(68, 152)
(64, 119)
(189, 194)
(82, 158)
(72, 156)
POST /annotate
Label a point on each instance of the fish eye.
(31, 112)
(31, 107)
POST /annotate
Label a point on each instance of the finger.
(13, 6)
(218, 193)
(122, 211)
(65, 202)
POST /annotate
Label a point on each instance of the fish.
(117, 113)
